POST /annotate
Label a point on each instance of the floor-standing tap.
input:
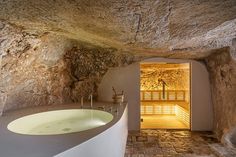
(91, 100)
(82, 102)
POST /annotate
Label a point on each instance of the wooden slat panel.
(148, 96)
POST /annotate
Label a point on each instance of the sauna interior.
(165, 95)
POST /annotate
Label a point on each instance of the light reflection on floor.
(162, 122)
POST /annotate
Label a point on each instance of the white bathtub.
(110, 143)
(104, 141)
(60, 122)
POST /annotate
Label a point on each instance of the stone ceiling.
(169, 28)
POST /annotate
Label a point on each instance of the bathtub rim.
(56, 143)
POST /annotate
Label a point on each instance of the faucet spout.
(91, 100)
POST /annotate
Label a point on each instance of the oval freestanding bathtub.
(60, 122)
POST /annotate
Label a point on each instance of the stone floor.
(170, 143)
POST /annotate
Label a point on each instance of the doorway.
(165, 95)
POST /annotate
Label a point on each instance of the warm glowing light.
(165, 92)
(182, 114)
(176, 76)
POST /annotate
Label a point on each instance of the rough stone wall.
(31, 68)
(87, 66)
(222, 69)
(49, 69)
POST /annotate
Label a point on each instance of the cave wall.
(39, 68)
(154, 26)
(42, 69)
(32, 68)
(88, 65)
(222, 70)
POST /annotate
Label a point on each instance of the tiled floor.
(169, 143)
(162, 121)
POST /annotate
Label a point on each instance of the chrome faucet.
(91, 100)
(82, 102)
